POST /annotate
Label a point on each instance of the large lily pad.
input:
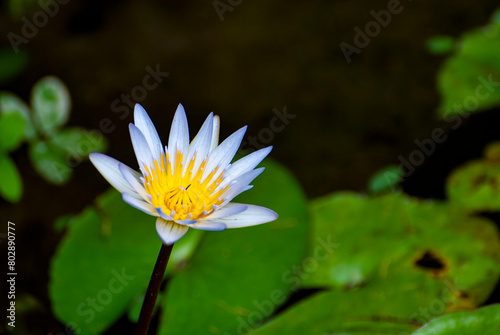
(104, 261)
(398, 260)
(237, 278)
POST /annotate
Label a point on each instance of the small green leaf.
(439, 45)
(62, 223)
(11, 131)
(51, 104)
(12, 104)
(12, 63)
(49, 163)
(11, 185)
(78, 143)
(484, 321)
(386, 179)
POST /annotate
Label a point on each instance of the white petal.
(215, 133)
(228, 210)
(141, 205)
(200, 145)
(209, 225)
(170, 232)
(108, 167)
(254, 215)
(134, 181)
(141, 147)
(179, 135)
(146, 126)
(240, 185)
(244, 165)
(224, 153)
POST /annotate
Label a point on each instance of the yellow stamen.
(184, 194)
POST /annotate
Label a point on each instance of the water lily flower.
(187, 184)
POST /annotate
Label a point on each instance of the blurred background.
(336, 104)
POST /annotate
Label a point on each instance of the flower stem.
(153, 289)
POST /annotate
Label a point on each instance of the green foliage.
(469, 80)
(11, 186)
(221, 273)
(12, 104)
(238, 277)
(51, 104)
(362, 311)
(475, 185)
(77, 142)
(118, 264)
(49, 163)
(11, 131)
(53, 150)
(484, 321)
(439, 45)
(395, 257)
(386, 179)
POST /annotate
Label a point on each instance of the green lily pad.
(359, 311)
(12, 104)
(484, 321)
(11, 131)
(475, 186)
(11, 184)
(398, 260)
(469, 80)
(410, 237)
(94, 277)
(51, 164)
(51, 104)
(237, 278)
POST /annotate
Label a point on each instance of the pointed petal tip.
(180, 109)
(139, 108)
(252, 216)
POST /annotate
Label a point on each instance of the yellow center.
(185, 194)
